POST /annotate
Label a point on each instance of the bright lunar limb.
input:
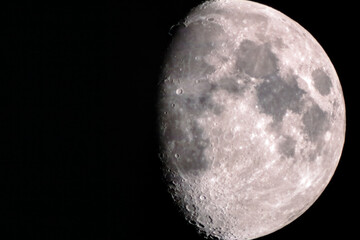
(251, 119)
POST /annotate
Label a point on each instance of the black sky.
(78, 138)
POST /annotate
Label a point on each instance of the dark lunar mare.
(276, 96)
(287, 146)
(181, 136)
(316, 123)
(256, 60)
(235, 84)
(187, 151)
(322, 81)
(184, 62)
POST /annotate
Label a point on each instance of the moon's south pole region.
(251, 119)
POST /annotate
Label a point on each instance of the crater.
(322, 81)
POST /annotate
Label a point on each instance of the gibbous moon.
(251, 119)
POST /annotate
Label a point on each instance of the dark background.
(78, 139)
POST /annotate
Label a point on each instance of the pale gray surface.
(252, 119)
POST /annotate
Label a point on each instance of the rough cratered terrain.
(252, 119)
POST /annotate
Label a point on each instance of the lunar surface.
(251, 119)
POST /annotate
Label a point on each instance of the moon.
(251, 119)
